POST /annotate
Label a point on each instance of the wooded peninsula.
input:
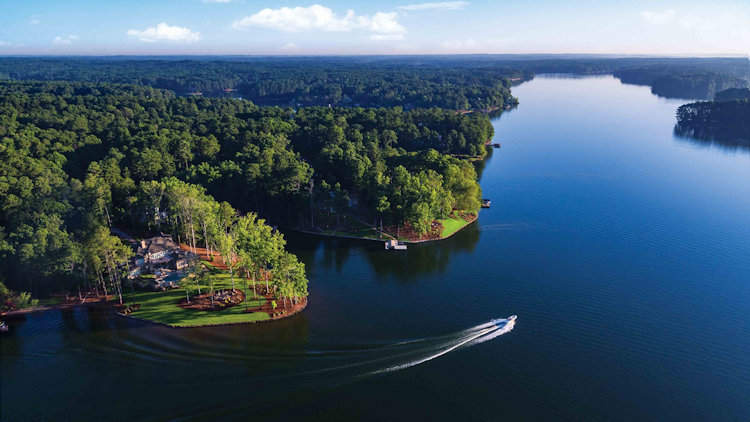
(97, 153)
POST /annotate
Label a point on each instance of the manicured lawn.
(452, 225)
(49, 301)
(162, 306)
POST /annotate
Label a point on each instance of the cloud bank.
(164, 32)
(320, 18)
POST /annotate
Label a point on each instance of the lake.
(623, 249)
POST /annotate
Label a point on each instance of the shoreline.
(71, 304)
(295, 310)
(343, 236)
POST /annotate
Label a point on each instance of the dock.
(395, 245)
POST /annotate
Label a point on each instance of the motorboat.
(512, 318)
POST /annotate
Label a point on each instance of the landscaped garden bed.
(222, 299)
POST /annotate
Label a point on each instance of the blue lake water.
(624, 251)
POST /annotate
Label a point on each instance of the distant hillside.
(733, 94)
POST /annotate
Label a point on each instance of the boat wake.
(281, 371)
(465, 338)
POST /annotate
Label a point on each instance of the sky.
(332, 27)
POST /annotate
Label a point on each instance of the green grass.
(452, 225)
(162, 306)
(49, 301)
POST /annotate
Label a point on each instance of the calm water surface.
(624, 250)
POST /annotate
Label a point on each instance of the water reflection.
(330, 253)
(423, 259)
(686, 135)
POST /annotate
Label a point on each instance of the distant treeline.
(453, 82)
(733, 94)
(291, 81)
(689, 78)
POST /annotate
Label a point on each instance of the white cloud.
(443, 5)
(34, 22)
(4, 42)
(659, 18)
(459, 45)
(290, 47)
(164, 32)
(217, 1)
(387, 37)
(64, 40)
(317, 17)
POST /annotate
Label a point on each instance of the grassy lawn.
(162, 306)
(49, 301)
(452, 225)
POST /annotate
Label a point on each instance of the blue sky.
(100, 27)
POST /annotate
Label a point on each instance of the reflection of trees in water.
(288, 334)
(419, 259)
(336, 251)
(480, 165)
(422, 259)
(707, 139)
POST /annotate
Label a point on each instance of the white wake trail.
(472, 336)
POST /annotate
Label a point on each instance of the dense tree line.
(284, 81)
(55, 218)
(692, 80)
(246, 243)
(722, 120)
(733, 94)
(79, 157)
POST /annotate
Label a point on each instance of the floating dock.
(395, 245)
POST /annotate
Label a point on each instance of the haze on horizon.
(325, 27)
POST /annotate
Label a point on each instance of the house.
(134, 271)
(156, 248)
(179, 263)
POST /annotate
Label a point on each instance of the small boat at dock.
(486, 203)
(395, 245)
(496, 145)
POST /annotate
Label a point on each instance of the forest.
(727, 120)
(453, 82)
(733, 94)
(289, 81)
(85, 143)
(77, 158)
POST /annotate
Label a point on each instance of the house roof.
(156, 244)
